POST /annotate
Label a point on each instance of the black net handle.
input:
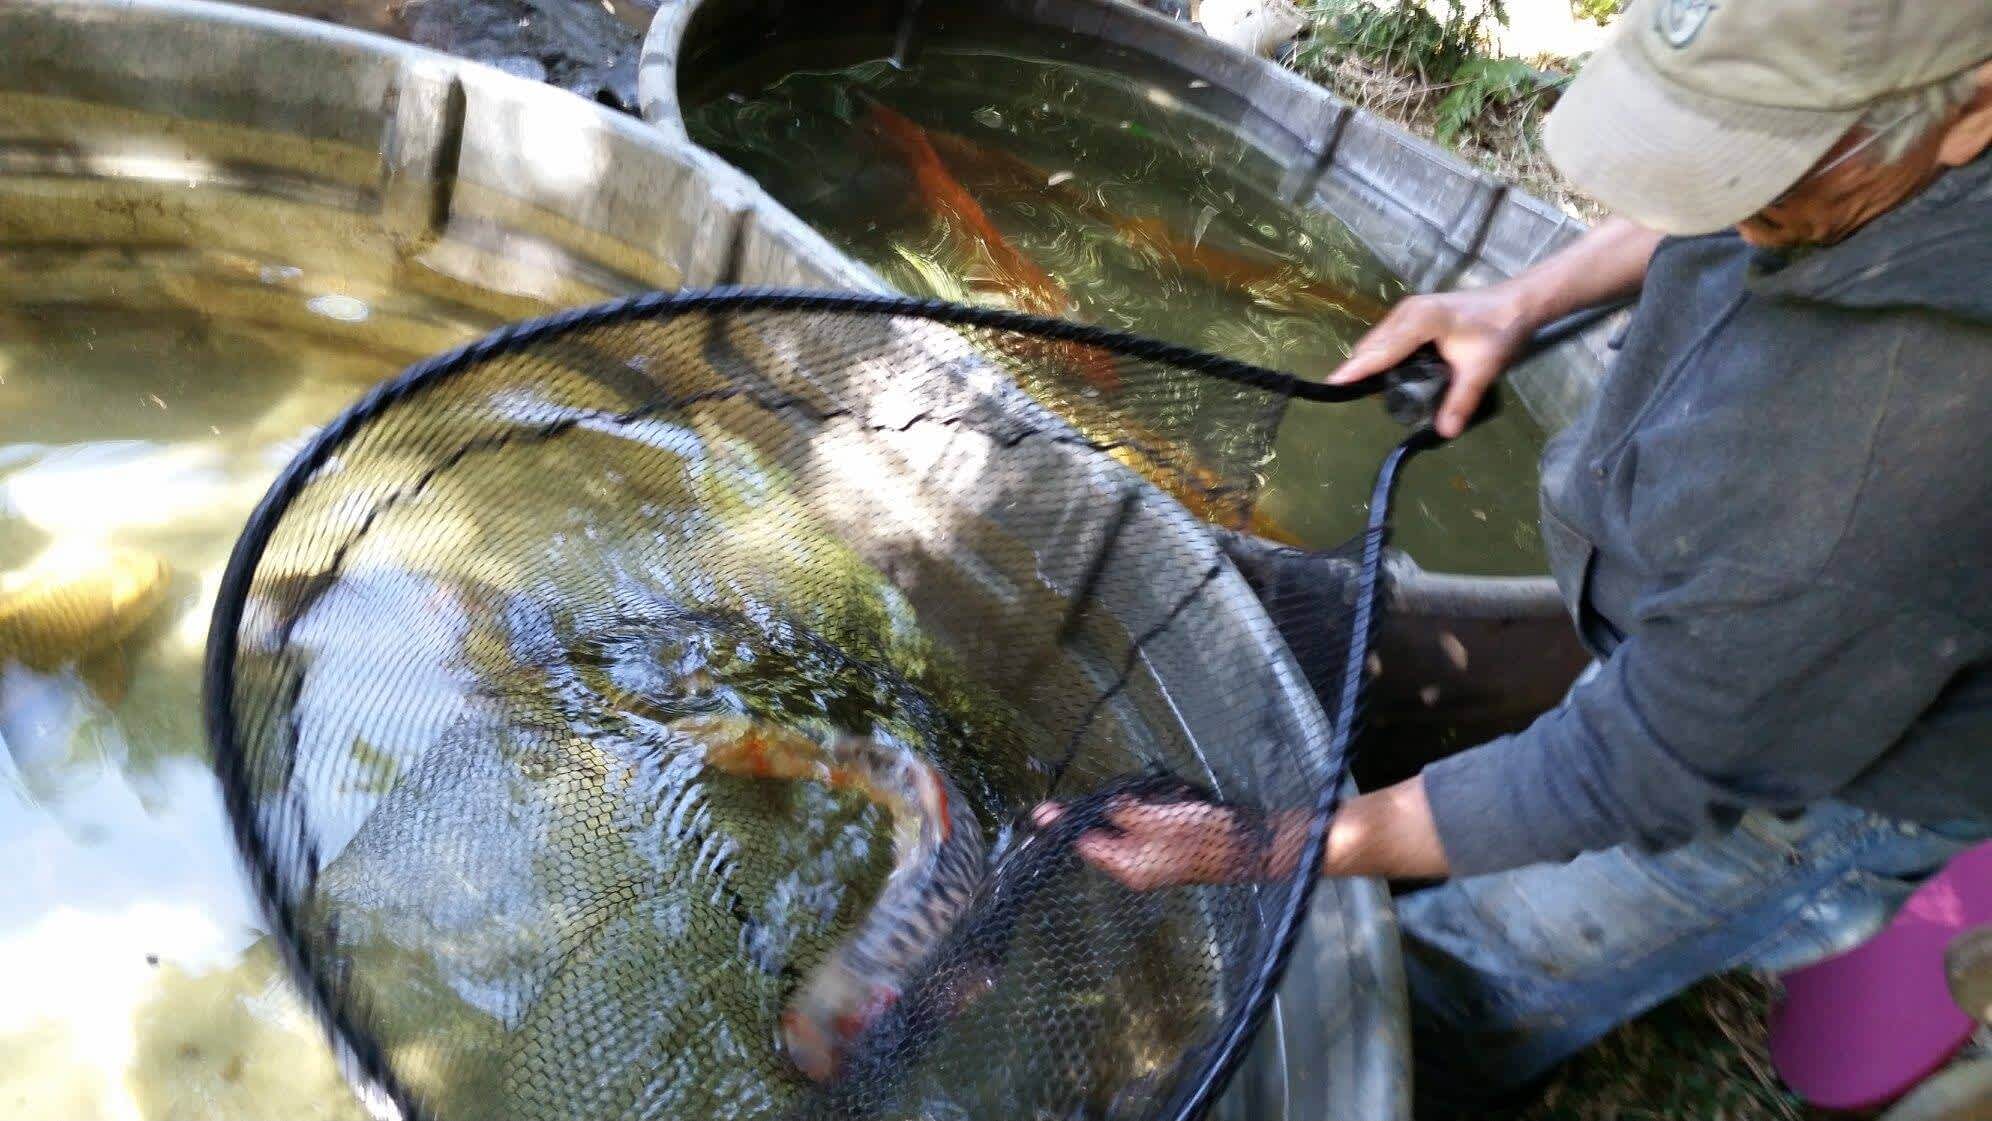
(1413, 389)
(1196, 1097)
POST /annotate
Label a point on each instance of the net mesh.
(642, 713)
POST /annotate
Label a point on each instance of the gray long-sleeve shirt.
(1774, 528)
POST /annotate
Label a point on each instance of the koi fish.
(1221, 266)
(1199, 489)
(1033, 289)
(938, 861)
(975, 954)
(67, 608)
(1028, 286)
(1238, 270)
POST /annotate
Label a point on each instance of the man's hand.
(1478, 332)
(1165, 844)
(1388, 833)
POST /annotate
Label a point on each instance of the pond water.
(146, 400)
(148, 396)
(1056, 176)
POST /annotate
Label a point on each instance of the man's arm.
(1696, 718)
(1387, 833)
(1607, 263)
(1700, 715)
(1480, 330)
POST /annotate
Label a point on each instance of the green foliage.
(1482, 85)
(1443, 46)
(1600, 12)
(1404, 35)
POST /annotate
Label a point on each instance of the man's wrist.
(1387, 833)
(1605, 264)
(1524, 301)
(1543, 294)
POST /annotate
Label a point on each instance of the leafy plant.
(1481, 85)
(1444, 47)
(1428, 40)
(1432, 65)
(1600, 12)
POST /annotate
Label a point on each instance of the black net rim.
(364, 1063)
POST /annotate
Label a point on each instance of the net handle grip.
(1413, 389)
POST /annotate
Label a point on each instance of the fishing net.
(583, 696)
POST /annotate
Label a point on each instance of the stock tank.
(220, 226)
(1476, 641)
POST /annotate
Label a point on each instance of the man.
(1773, 529)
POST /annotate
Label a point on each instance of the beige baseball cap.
(1696, 114)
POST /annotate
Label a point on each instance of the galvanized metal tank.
(133, 122)
(481, 179)
(1434, 221)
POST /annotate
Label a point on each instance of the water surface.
(1149, 213)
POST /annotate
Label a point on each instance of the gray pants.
(1513, 972)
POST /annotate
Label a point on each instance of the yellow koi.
(67, 608)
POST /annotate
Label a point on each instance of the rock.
(1260, 27)
(519, 66)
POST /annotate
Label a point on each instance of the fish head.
(827, 1016)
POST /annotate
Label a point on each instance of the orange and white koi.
(1026, 286)
(1218, 266)
(938, 859)
(1197, 487)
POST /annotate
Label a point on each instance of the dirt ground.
(1700, 1056)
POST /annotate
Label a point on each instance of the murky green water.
(146, 400)
(1128, 208)
(626, 923)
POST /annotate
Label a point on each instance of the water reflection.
(146, 399)
(226, 1043)
(136, 981)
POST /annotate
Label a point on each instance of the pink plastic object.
(1863, 1028)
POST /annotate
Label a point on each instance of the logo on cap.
(1679, 21)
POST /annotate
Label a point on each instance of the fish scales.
(64, 613)
(939, 857)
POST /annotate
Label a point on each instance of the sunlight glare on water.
(1107, 196)
(140, 979)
